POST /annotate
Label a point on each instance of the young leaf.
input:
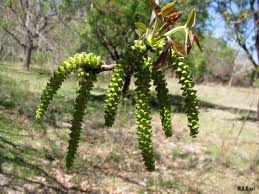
(157, 26)
(161, 58)
(187, 40)
(191, 19)
(178, 47)
(174, 30)
(196, 39)
(139, 32)
(168, 9)
(172, 19)
(190, 40)
(141, 26)
(163, 54)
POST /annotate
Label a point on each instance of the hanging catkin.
(163, 101)
(86, 61)
(144, 130)
(182, 71)
(85, 86)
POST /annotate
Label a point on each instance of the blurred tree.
(28, 23)
(242, 18)
(215, 63)
(220, 58)
(202, 12)
(109, 25)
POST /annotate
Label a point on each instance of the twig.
(105, 67)
(153, 15)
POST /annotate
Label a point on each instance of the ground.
(222, 157)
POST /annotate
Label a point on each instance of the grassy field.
(223, 156)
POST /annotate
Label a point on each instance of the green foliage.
(103, 16)
(201, 7)
(109, 26)
(214, 62)
(198, 64)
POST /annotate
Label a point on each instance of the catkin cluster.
(162, 97)
(191, 102)
(83, 60)
(86, 63)
(144, 131)
(132, 56)
(136, 61)
(85, 86)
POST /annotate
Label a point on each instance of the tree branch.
(45, 24)
(105, 44)
(105, 67)
(14, 37)
(236, 23)
(256, 23)
(244, 46)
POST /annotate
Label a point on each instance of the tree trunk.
(27, 58)
(258, 111)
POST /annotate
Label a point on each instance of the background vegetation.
(35, 36)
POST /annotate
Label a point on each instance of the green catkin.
(163, 101)
(48, 93)
(191, 102)
(83, 60)
(85, 86)
(113, 95)
(144, 131)
(133, 55)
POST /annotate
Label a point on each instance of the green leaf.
(187, 40)
(168, 9)
(190, 40)
(196, 39)
(139, 32)
(191, 18)
(174, 30)
(141, 26)
(178, 47)
(171, 20)
(157, 26)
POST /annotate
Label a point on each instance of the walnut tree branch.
(105, 67)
